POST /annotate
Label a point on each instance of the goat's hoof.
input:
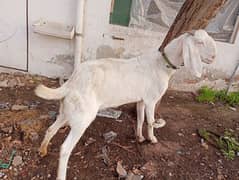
(42, 152)
(141, 139)
(153, 140)
(159, 123)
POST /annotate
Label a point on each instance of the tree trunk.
(194, 14)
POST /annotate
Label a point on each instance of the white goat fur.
(112, 82)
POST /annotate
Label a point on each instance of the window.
(120, 12)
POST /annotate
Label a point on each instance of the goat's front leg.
(140, 120)
(150, 119)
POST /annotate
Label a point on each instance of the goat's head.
(198, 48)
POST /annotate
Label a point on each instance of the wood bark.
(194, 14)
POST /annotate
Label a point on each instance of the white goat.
(111, 82)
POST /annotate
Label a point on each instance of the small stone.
(180, 134)
(120, 170)
(232, 108)
(48, 175)
(105, 156)
(171, 163)
(110, 136)
(132, 176)
(212, 103)
(180, 152)
(17, 160)
(19, 107)
(89, 141)
(202, 164)
(109, 113)
(219, 125)
(205, 145)
(77, 153)
(170, 174)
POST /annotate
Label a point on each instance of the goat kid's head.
(195, 48)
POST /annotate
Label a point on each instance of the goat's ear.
(191, 56)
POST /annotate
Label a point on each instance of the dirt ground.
(178, 155)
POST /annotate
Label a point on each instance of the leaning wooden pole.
(194, 14)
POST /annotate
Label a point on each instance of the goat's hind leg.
(51, 131)
(78, 123)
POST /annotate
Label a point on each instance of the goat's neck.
(174, 51)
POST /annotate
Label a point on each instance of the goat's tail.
(51, 94)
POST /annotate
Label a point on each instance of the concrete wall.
(13, 34)
(53, 57)
(48, 55)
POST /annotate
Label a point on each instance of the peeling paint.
(105, 51)
(62, 59)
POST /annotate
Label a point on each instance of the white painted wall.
(51, 56)
(228, 56)
(13, 35)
